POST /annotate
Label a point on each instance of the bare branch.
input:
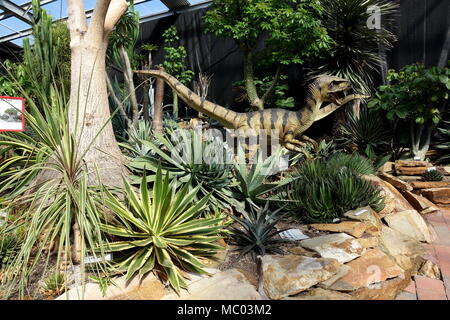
(116, 9)
(117, 101)
(273, 84)
(128, 73)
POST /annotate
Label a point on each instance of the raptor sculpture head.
(331, 89)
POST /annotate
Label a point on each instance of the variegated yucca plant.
(161, 230)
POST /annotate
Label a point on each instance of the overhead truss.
(17, 11)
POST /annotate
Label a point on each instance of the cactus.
(432, 175)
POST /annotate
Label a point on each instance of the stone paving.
(422, 288)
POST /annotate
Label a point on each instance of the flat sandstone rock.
(339, 246)
(353, 228)
(437, 195)
(288, 275)
(406, 251)
(410, 223)
(372, 267)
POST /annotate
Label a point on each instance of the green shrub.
(161, 230)
(324, 190)
(12, 112)
(257, 235)
(414, 97)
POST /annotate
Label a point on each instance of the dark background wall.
(422, 30)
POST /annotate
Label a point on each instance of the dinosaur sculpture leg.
(293, 144)
(312, 141)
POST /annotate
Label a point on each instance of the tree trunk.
(89, 113)
(128, 77)
(146, 101)
(420, 140)
(175, 104)
(249, 79)
(158, 106)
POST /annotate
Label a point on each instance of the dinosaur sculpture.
(290, 124)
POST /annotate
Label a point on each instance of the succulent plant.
(161, 229)
(9, 246)
(257, 235)
(432, 175)
(54, 285)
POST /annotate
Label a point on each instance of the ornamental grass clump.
(161, 230)
(323, 190)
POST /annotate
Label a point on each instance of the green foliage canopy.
(291, 30)
(414, 93)
(175, 57)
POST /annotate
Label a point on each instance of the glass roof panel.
(11, 25)
(20, 2)
(150, 7)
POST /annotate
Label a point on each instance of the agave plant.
(432, 175)
(251, 180)
(323, 151)
(136, 135)
(356, 47)
(161, 230)
(190, 157)
(258, 233)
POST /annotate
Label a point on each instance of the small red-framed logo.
(12, 114)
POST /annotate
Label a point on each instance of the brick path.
(422, 288)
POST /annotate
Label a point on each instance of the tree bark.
(249, 79)
(118, 103)
(158, 106)
(128, 76)
(146, 102)
(89, 113)
(175, 105)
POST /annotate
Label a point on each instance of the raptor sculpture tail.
(228, 118)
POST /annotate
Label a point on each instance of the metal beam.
(26, 7)
(16, 11)
(164, 14)
(176, 4)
